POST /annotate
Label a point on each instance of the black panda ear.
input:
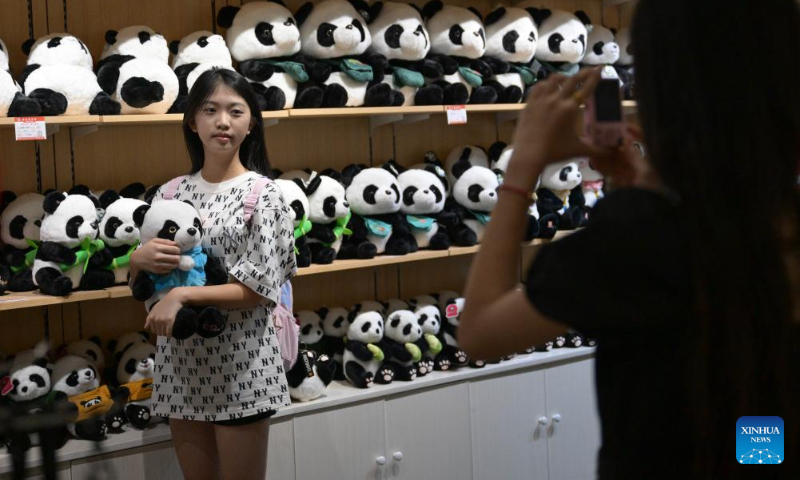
(539, 15)
(145, 334)
(476, 12)
(52, 201)
(6, 197)
(111, 37)
(275, 173)
(583, 17)
(461, 166)
(27, 44)
(96, 340)
(349, 173)
(494, 16)
(390, 167)
(614, 31)
(138, 215)
(496, 150)
(173, 46)
(134, 190)
(112, 344)
(80, 189)
(313, 185)
(299, 183)
(415, 7)
(303, 12)
(40, 362)
(108, 197)
(226, 15)
(374, 11)
(189, 203)
(431, 8)
(362, 8)
(322, 312)
(279, 2)
(329, 172)
(432, 158)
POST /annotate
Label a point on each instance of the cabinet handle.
(381, 460)
(557, 417)
(397, 456)
(543, 420)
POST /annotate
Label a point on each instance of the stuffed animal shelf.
(20, 221)
(511, 39)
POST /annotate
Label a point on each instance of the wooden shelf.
(362, 111)
(65, 120)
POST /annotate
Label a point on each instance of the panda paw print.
(412, 373)
(323, 358)
(116, 422)
(480, 363)
(142, 415)
(422, 368)
(461, 356)
(444, 364)
(387, 374)
(103, 430)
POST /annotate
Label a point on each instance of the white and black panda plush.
(69, 241)
(363, 357)
(473, 154)
(403, 344)
(511, 39)
(334, 328)
(13, 102)
(602, 50)
(458, 41)
(124, 341)
(59, 77)
(263, 36)
(377, 224)
(295, 197)
(562, 40)
(311, 331)
(119, 233)
(310, 375)
(20, 221)
(194, 54)
(624, 65)
(558, 181)
(334, 35)
(179, 221)
(91, 349)
(430, 320)
(399, 34)
(133, 69)
(473, 198)
(451, 355)
(134, 374)
(393, 304)
(329, 213)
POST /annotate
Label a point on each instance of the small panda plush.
(13, 102)
(133, 69)
(363, 356)
(192, 55)
(473, 154)
(311, 331)
(562, 40)
(602, 50)
(554, 194)
(451, 355)
(69, 241)
(377, 225)
(473, 199)
(334, 328)
(134, 373)
(91, 349)
(179, 221)
(295, 197)
(265, 39)
(403, 344)
(511, 39)
(399, 34)
(624, 65)
(430, 320)
(333, 33)
(310, 375)
(458, 41)
(125, 341)
(20, 222)
(119, 233)
(59, 77)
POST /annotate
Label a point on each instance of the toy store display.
(511, 40)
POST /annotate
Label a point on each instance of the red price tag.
(30, 128)
(451, 311)
(456, 114)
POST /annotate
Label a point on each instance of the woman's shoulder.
(270, 196)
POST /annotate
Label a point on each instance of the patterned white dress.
(239, 373)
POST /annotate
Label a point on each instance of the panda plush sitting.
(124, 341)
(59, 77)
(179, 221)
(473, 198)
(398, 33)
(119, 233)
(91, 349)
(451, 355)
(265, 39)
(602, 50)
(20, 221)
(13, 102)
(334, 329)
(403, 344)
(458, 41)
(295, 197)
(334, 35)
(193, 55)
(133, 69)
(134, 374)
(554, 194)
(377, 224)
(69, 241)
(624, 65)
(562, 41)
(310, 375)
(473, 154)
(363, 357)
(511, 38)
(430, 320)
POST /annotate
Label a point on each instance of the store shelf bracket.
(82, 130)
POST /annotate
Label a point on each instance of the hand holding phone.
(605, 123)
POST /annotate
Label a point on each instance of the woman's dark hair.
(722, 129)
(253, 151)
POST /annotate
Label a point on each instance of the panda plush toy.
(554, 194)
(430, 320)
(458, 41)
(124, 341)
(602, 50)
(562, 41)
(377, 224)
(119, 233)
(310, 375)
(192, 55)
(334, 34)
(264, 38)
(451, 355)
(363, 357)
(474, 155)
(334, 328)
(624, 65)
(403, 344)
(295, 197)
(133, 69)
(59, 77)
(134, 374)
(473, 199)
(311, 332)
(13, 102)
(20, 222)
(511, 39)
(179, 221)
(399, 34)
(91, 349)
(69, 241)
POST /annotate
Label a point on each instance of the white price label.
(456, 114)
(30, 128)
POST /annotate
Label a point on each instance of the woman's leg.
(196, 446)
(243, 450)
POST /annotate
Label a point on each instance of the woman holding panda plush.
(213, 434)
(691, 288)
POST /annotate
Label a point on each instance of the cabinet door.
(507, 440)
(340, 443)
(280, 459)
(62, 473)
(430, 430)
(575, 439)
(157, 462)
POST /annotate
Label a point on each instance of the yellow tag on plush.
(139, 390)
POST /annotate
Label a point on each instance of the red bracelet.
(530, 195)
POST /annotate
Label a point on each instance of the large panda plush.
(20, 221)
(511, 39)
(377, 224)
(295, 197)
(119, 233)
(562, 41)
(194, 54)
(133, 69)
(13, 102)
(624, 65)
(458, 41)
(473, 199)
(363, 357)
(59, 77)
(335, 35)
(602, 50)
(134, 373)
(265, 39)
(554, 194)
(399, 34)
(403, 344)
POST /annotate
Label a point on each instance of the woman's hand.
(627, 167)
(162, 316)
(156, 256)
(547, 130)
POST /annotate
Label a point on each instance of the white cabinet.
(281, 454)
(157, 462)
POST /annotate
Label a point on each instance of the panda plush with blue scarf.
(192, 55)
(473, 197)
(458, 41)
(13, 102)
(511, 39)
(562, 40)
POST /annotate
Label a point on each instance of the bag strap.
(172, 188)
(252, 198)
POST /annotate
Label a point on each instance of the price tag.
(456, 114)
(30, 128)
(451, 311)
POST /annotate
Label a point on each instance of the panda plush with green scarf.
(562, 40)
(119, 233)
(295, 197)
(511, 38)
